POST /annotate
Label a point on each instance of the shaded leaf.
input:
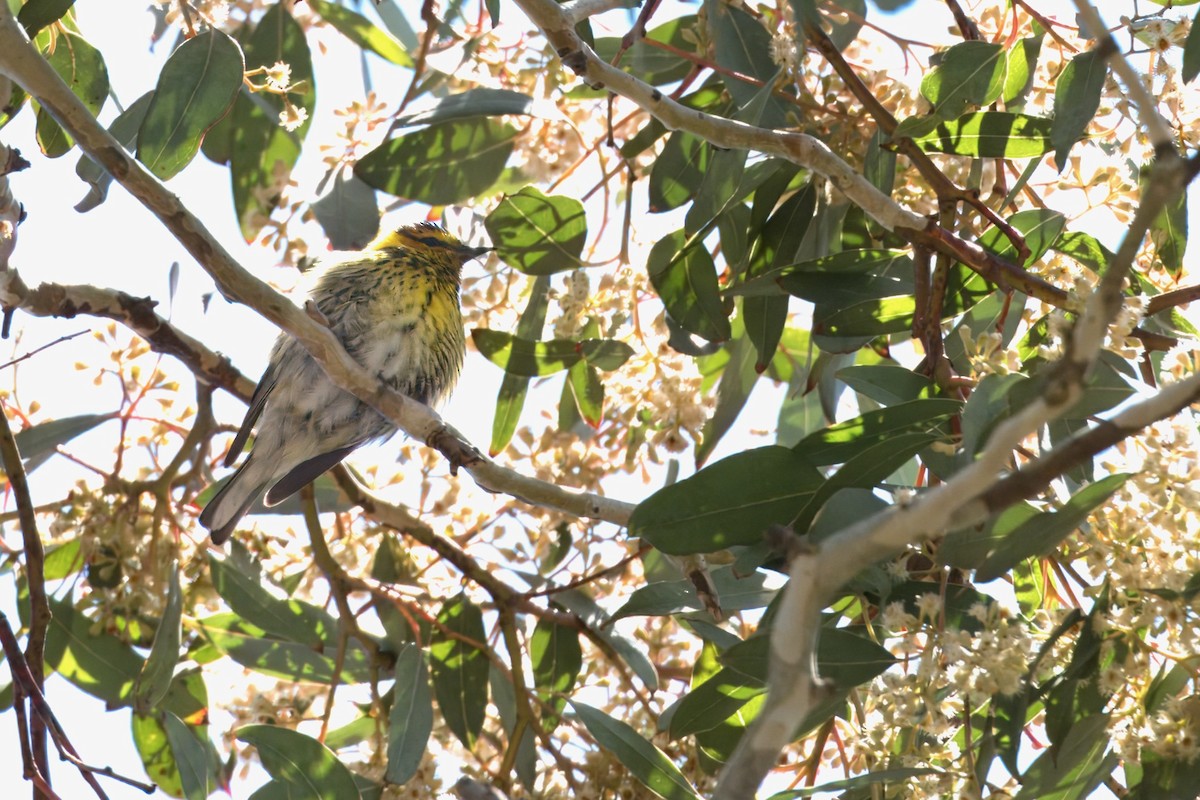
(1076, 100)
(196, 88)
(685, 277)
(523, 357)
(125, 130)
(969, 74)
(445, 163)
(305, 767)
(460, 669)
(729, 502)
(155, 677)
(557, 658)
(537, 234)
(37, 14)
(645, 761)
(477, 102)
(41, 441)
(410, 719)
(678, 171)
(348, 213)
(262, 152)
(82, 68)
(511, 398)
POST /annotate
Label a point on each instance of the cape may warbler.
(395, 308)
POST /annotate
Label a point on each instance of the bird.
(395, 307)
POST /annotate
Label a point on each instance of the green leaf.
(990, 134)
(737, 593)
(605, 354)
(1072, 771)
(445, 163)
(98, 663)
(478, 102)
(678, 172)
(644, 761)
(1191, 52)
(194, 758)
(1076, 100)
(737, 381)
(587, 391)
(1017, 78)
(1039, 227)
(305, 768)
(82, 68)
(511, 398)
(1169, 232)
(718, 191)
(410, 719)
(154, 748)
(460, 668)
(886, 384)
(38, 14)
(743, 46)
(1084, 248)
(125, 130)
(64, 560)
(839, 278)
(195, 89)
(523, 357)
(1040, 535)
(729, 502)
(362, 32)
(156, 674)
(655, 65)
(41, 441)
(861, 785)
(557, 658)
(348, 213)
(634, 654)
(970, 74)
(714, 701)
(536, 234)
(251, 647)
(262, 153)
(841, 442)
(865, 469)
(240, 583)
(685, 277)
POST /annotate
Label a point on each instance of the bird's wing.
(305, 473)
(265, 385)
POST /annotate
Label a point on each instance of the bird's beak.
(475, 252)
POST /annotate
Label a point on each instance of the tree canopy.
(842, 436)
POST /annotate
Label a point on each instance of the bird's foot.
(457, 450)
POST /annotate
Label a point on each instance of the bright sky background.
(121, 245)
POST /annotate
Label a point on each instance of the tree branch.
(816, 574)
(21, 62)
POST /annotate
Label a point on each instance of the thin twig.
(47, 346)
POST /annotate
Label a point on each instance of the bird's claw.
(457, 451)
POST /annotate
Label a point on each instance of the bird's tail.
(227, 507)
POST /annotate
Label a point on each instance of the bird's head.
(430, 239)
